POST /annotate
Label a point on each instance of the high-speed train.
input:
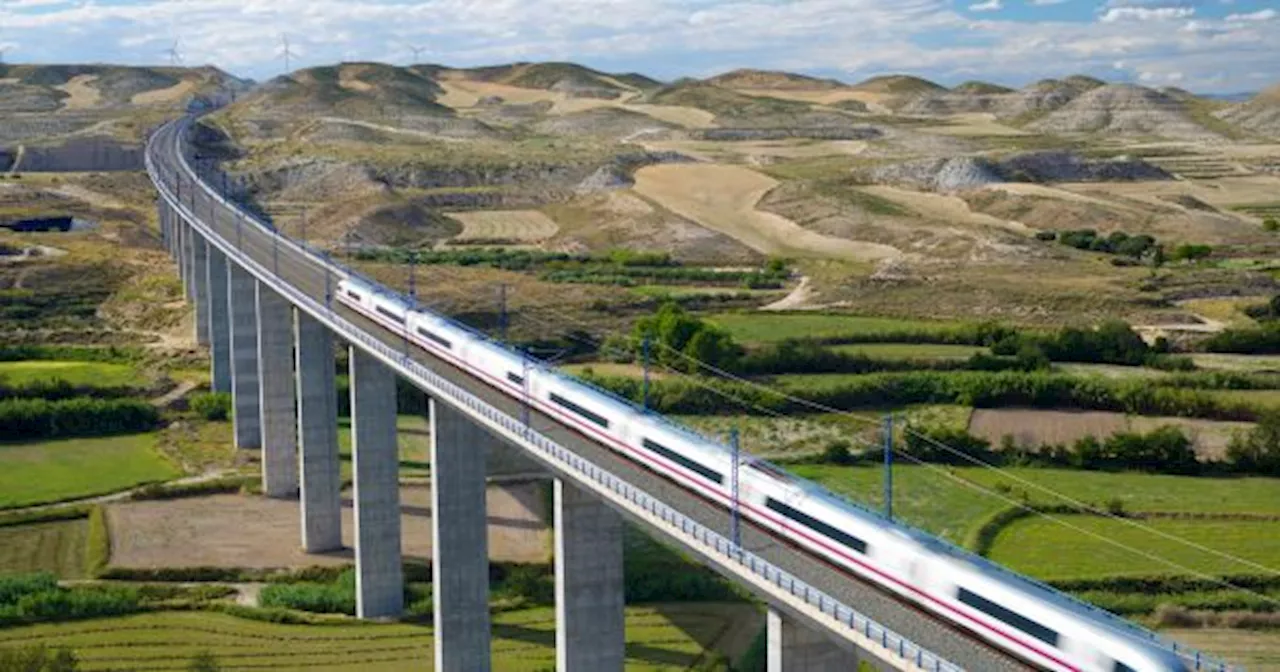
(1016, 615)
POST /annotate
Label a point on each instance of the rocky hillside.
(1032, 101)
(747, 78)
(1124, 109)
(958, 173)
(349, 89)
(49, 88)
(1260, 115)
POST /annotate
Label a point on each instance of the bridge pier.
(590, 621)
(318, 437)
(185, 253)
(200, 281)
(794, 647)
(459, 541)
(376, 465)
(245, 388)
(219, 321)
(278, 410)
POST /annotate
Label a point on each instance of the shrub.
(1263, 340)
(212, 406)
(838, 452)
(1271, 224)
(82, 416)
(14, 587)
(1191, 252)
(1046, 235)
(37, 659)
(1258, 450)
(338, 597)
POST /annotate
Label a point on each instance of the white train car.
(1014, 614)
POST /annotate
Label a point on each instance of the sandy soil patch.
(874, 101)
(462, 93)
(1031, 427)
(527, 226)
(973, 125)
(347, 79)
(1222, 192)
(80, 94)
(724, 198)
(710, 151)
(942, 207)
(798, 298)
(1042, 191)
(249, 531)
(160, 96)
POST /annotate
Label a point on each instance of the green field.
(1256, 398)
(938, 500)
(1046, 549)
(413, 435)
(95, 374)
(769, 328)
(911, 350)
(1237, 362)
(50, 471)
(56, 547)
(523, 640)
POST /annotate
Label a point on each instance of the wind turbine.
(417, 51)
(175, 56)
(284, 51)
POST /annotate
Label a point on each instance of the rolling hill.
(348, 89)
(1124, 109)
(568, 78)
(1261, 114)
(47, 88)
(746, 78)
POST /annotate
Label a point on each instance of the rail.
(678, 525)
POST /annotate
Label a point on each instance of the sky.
(1208, 46)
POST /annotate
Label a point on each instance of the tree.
(1258, 450)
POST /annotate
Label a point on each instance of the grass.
(57, 547)
(50, 471)
(1263, 399)
(941, 500)
(1244, 363)
(1254, 649)
(1045, 549)
(522, 641)
(413, 435)
(96, 374)
(911, 350)
(770, 328)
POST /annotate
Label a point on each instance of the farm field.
(723, 198)
(1237, 362)
(1036, 427)
(659, 637)
(516, 226)
(50, 471)
(56, 547)
(1256, 650)
(1046, 549)
(97, 374)
(935, 498)
(911, 350)
(1113, 371)
(1259, 398)
(770, 328)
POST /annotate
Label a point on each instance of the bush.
(212, 406)
(1190, 252)
(1258, 450)
(838, 452)
(1263, 340)
(83, 416)
(338, 597)
(1112, 342)
(37, 659)
(1271, 224)
(14, 587)
(1047, 236)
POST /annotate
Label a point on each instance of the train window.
(1121, 667)
(518, 380)
(354, 295)
(433, 337)
(772, 471)
(1009, 616)
(390, 315)
(825, 529)
(705, 472)
(593, 417)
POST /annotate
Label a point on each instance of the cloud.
(1261, 15)
(1043, 3)
(987, 6)
(1146, 14)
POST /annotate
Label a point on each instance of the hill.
(1124, 109)
(974, 87)
(898, 85)
(730, 107)
(1260, 114)
(564, 77)
(348, 89)
(746, 78)
(970, 97)
(47, 88)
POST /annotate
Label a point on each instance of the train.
(1029, 621)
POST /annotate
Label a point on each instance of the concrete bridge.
(263, 307)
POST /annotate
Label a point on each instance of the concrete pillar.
(375, 459)
(793, 647)
(242, 303)
(318, 437)
(200, 281)
(590, 623)
(278, 409)
(459, 531)
(219, 321)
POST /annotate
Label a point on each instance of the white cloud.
(1146, 14)
(1260, 15)
(1043, 3)
(987, 6)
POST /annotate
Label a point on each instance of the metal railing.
(697, 536)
